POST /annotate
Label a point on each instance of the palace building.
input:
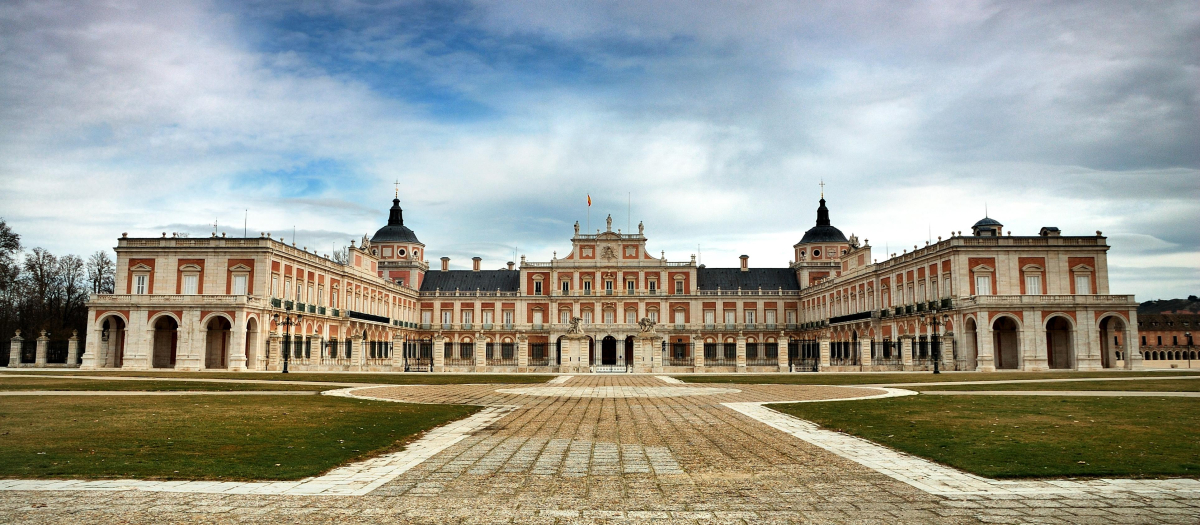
(984, 301)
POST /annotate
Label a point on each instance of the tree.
(101, 272)
(341, 256)
(10, 245)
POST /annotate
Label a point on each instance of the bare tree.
(101, 272)
(341, 256)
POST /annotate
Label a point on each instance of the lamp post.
(287, 323)
(935, 321)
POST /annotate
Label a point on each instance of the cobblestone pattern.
(685, 459)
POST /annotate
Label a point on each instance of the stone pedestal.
(398, 352)
(781, 351)
(73, 350)
(575, 354)
(864, 352)
(741, 353)
(439, 354)
(480, 349)
(824, 349)
(986, 360)
(274, 352)
(14, 350)
(906, 352)
(357, 356)
(523, 352)
(43, 343)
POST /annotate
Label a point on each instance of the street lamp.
(934, 321)
(287, 323)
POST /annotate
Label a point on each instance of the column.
(237, 345)
(481, 352)
(986, 360)
(1133, 342)
(189, 349)
(90, 354)
(654, 350)
(42, 343)
(697, 352)
(73, 350)
(439, 354)
(523, 352)
(1085, 342)
(741, 352)
(1034, 355)
(864, 352)
(14, 350)
(824, 349)
(906, 350)
(138, 351)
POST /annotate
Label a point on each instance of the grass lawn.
(53, 383)
(887, 378)
(332, 377)
(1009, 437)
(1161, 385)
(201, 437)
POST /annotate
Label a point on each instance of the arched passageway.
(629, 350)
(216, 343)
(1112, 342)
(608, 351)
(1059, 344)
(251, 341)
(1005, 344)
(166, 341)
(112, 343)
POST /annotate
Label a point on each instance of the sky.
(711, 122)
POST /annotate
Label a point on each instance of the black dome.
(987, 221)
(395, 231)
(823, 231)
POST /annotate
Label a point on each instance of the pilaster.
(14, 350)
(1033, 343)
(43, 343)
(864, 352)
(237, 344)
(274, 351)
(906, 352)
(986, 360)
(439, 354)
(73, 350)
(823, 341)
(741, 351)
(523, 351)
(91, 347)
(782, 351)
(480, 348)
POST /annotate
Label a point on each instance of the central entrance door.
(608, 351)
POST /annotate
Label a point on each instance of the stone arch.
(217, 330)
(165, 342)
(113, 330)
(1114, 346)
(251, 340)
(1060, 342)
(608, 350)
(1006, 342)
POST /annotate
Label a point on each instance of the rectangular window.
(299, 291)
(139, 284)
(1160, 340)
(426, 316)
(630, 317)
(446, 319)
(921, 292)
(946, 288)
(508, 317)
(537, 288)
(587, 317)
(1175, 340)
(587, 288)
(189, 284)
(537, 317)
(309, 297)
(239, 284)
(564, 317)
(608, 317)
(274, 286)
(678, 316)
(1033, 284)
(608, 287)
(320, 294)
(1083, 284)
(791, 317)
(487, 316)
(287, 287)
(468, 316)
(750, 317)
(654, 315)
(653, 287)
(710, 316)
(730, 316)
(678, 287)
(769, 317)
(933, 291)
(566, 287)
(1143, 340)
(983, 285)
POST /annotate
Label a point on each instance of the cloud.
(712, 122)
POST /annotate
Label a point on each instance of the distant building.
(984, 301)
(1166, 332)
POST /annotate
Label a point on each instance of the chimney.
(445, 264)
(510, 265)
(745, 263)
(475, 263)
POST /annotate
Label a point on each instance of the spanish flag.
(589, 200)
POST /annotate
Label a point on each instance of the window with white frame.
(1033, 284)
(426, 316)
(946, 286)
(630, 317)
(508, 317)
(240, 281)
(710, 316)
(933, 293)
(652, 286)
(190, 283)
(609, 316)
(769, 317)
(139, 283)
(791, 317)
(750, 316)
(537, 288)
(320, 294)
(1083, 283)
(587, 287)
(566, 287)
(983, 284)
(730, 316)
(446, 316)
(287, 287)
(468, 316)
(608, 287)
(630, 286)
(921, 292)
(299, 291)
(564, 316)
(679, 315)
(487, 316)
(587, 317)
(274, 286)
(679, 287)
(537, 317)
(653, 314)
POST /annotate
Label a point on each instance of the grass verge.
(1021, 437)
(878, 378)
(210, 438)
(9, 383)
(1161, 385)
(331, 377)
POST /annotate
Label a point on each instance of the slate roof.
(469, 280)
(823, 231)
(987, 221)
(395, 231)
(752, 279)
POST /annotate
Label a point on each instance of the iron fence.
(538, 355)
(680, 354)
(465, 355)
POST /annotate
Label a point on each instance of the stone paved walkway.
(620, 456)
